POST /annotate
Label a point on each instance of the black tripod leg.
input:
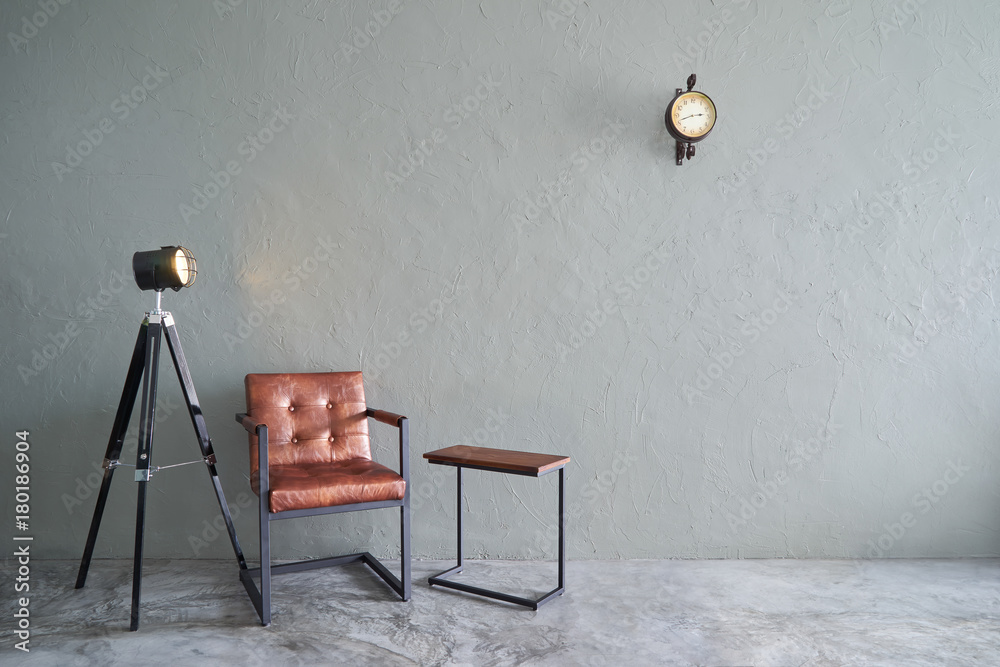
(200, 428)
(114, 450)
(144, 457)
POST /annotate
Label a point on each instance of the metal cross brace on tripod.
(143, 370)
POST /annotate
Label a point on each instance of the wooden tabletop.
(500, 460)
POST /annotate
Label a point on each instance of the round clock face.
(691, 116)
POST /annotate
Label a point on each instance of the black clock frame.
(685, 144)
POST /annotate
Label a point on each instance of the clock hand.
(692, 116)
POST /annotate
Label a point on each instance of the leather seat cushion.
(297, 487)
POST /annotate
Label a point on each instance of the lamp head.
(170, 266)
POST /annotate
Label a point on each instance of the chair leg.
(404, 542)
(265, 564)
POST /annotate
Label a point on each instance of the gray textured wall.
(786, 347)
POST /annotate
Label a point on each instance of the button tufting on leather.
(304, 472)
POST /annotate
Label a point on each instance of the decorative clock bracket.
(685, 149)
(682, 150)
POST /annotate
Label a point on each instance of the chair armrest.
(248, 422)
(392, 419)
(263, 477)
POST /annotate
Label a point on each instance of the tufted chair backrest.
(311, 417)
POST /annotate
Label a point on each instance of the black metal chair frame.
(261, 598)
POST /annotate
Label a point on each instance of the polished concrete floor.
(721, 613)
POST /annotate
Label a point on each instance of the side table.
(511, 463)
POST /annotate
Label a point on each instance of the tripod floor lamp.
(170, 267)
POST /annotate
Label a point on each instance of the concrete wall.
(786, 347)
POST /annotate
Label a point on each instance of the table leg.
(458, 515)
(562, 531)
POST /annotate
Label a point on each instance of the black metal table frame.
(439, 579)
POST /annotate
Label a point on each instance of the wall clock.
(690, 117)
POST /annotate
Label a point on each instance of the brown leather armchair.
(310, 454)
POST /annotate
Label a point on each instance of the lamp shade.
(170, 266)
